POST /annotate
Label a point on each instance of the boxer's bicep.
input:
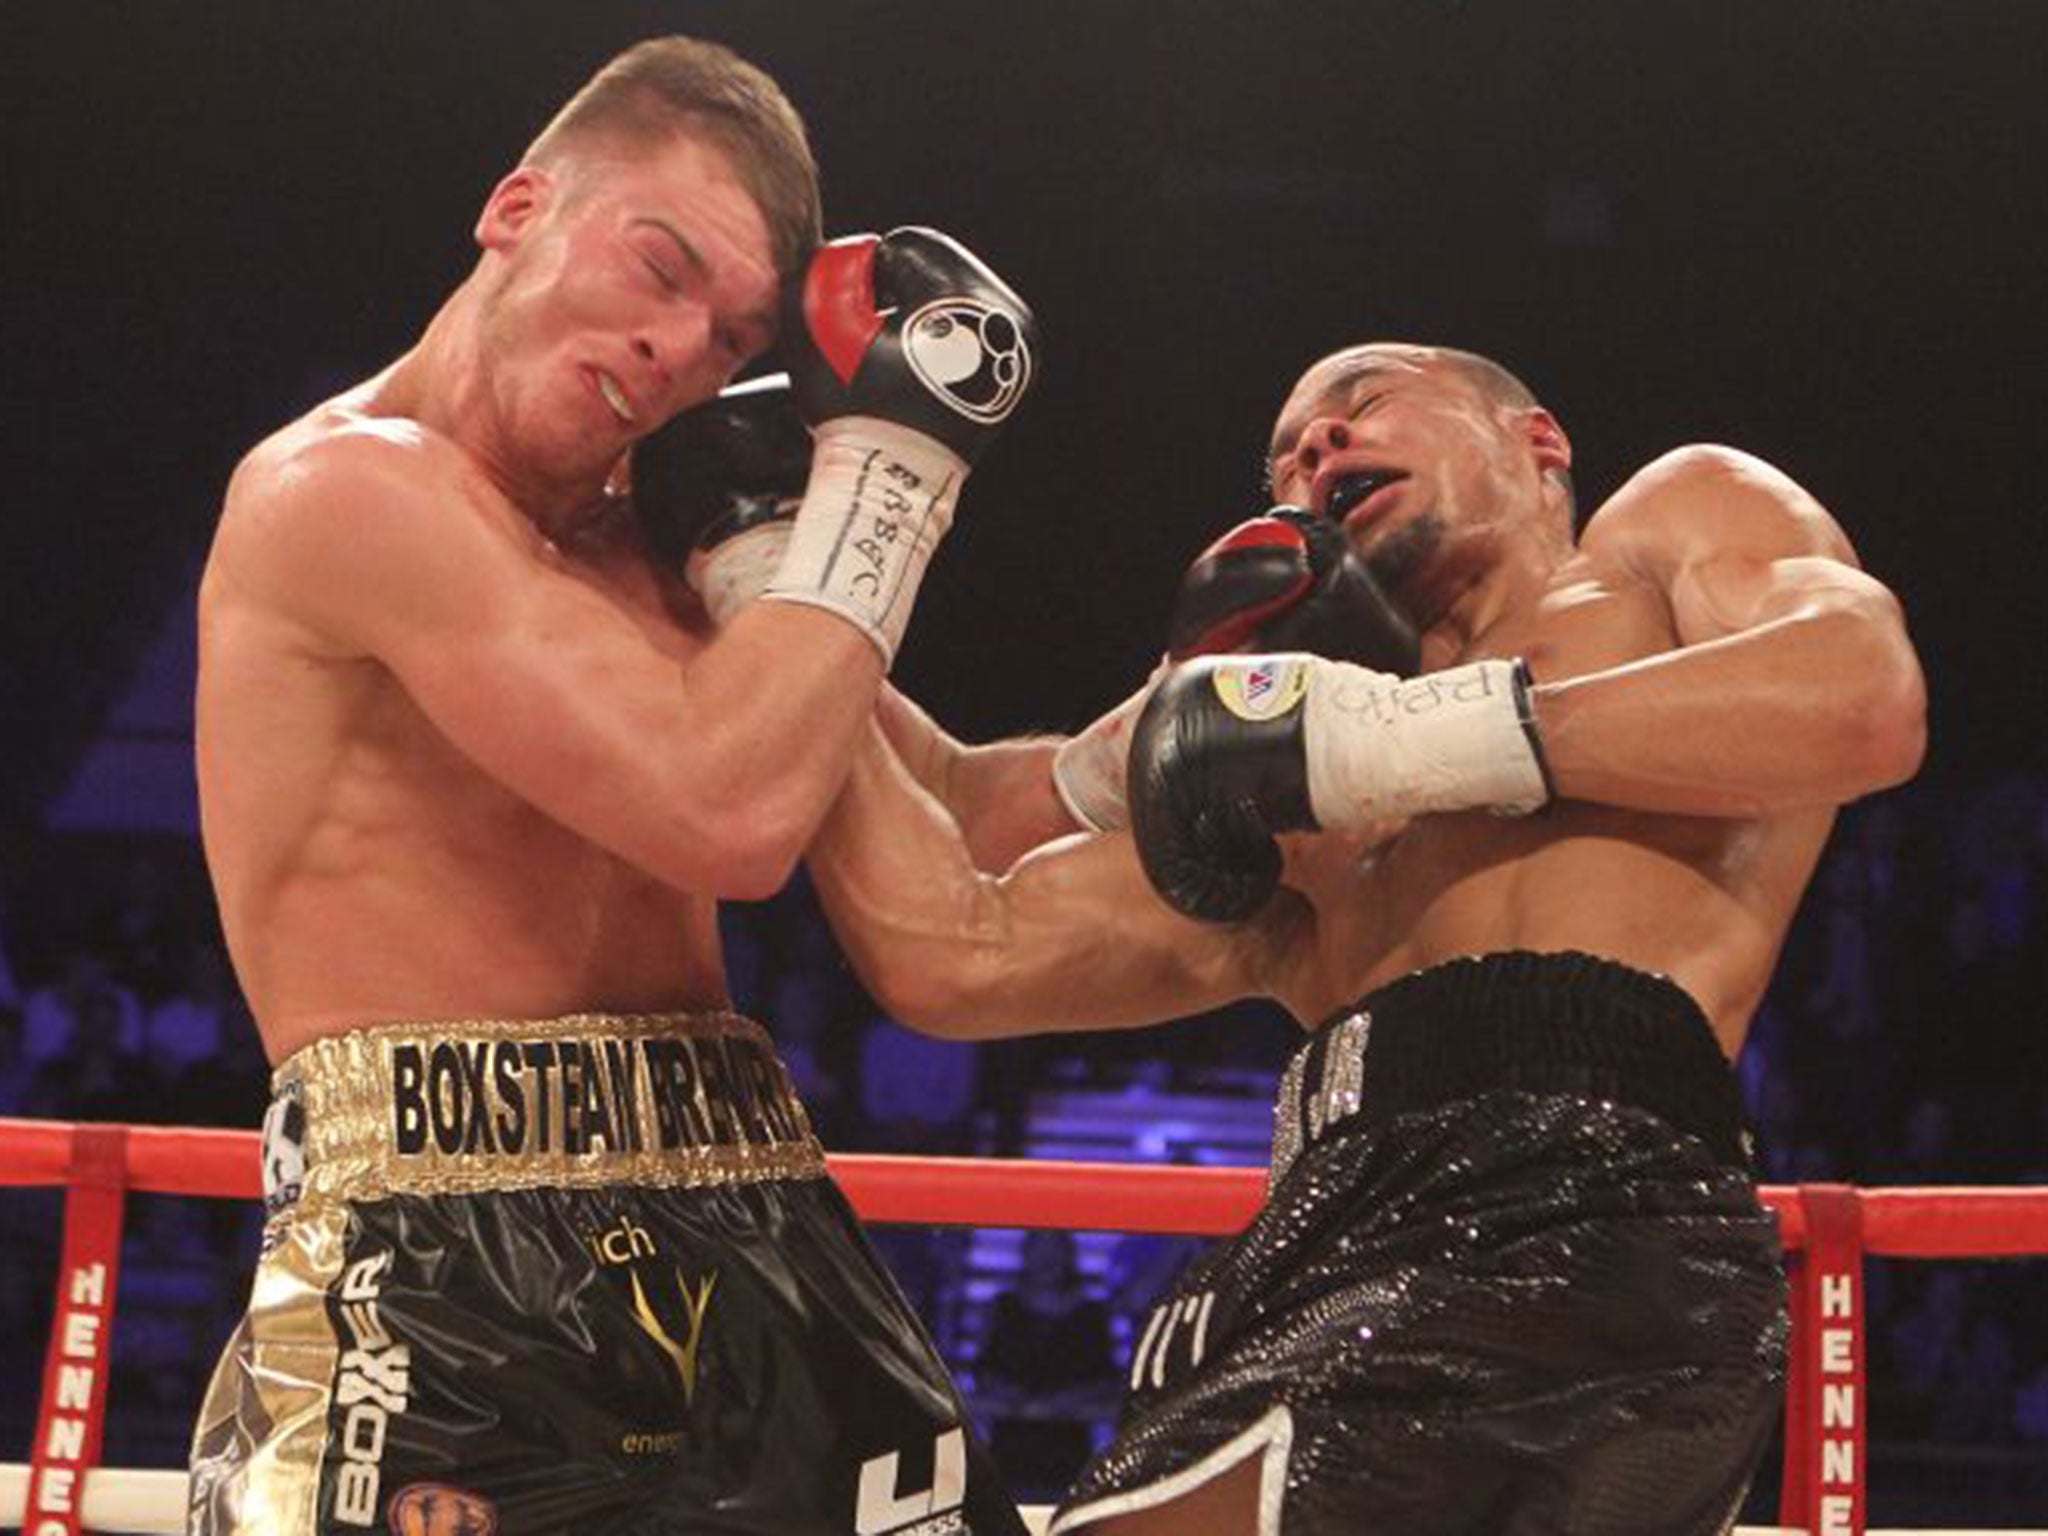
(1732, 542)
(1789, 682)
(1739, 592)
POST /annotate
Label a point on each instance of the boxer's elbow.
(1891, 730)
(1847, 700)
(757, 877)
(759, 869)
(1883, 717)
(947, 1001)
(745, 851)
(958, 990)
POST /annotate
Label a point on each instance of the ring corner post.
(71, 1421)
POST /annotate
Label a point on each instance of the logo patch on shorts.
(372, 1387)
(284, 1148)
(1264, 690)
(682, 1353)
(672, 1316)
(527, 1098)
(1176, 1334)
(884, 1510)
(435, 1509)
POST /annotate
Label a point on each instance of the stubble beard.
(1398, 561)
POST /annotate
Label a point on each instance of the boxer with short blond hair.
(550, 1244)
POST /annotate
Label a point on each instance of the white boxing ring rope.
(153, 1504)
(1827, 1229)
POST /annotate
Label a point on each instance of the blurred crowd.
(1899, 1044)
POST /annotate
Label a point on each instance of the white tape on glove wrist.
(1090, 769)
(1382, 747)
(879, 500)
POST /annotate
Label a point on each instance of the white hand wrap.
(1090, 769)
(1382, 747)
(879, 500)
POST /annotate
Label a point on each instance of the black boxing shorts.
(521, 1279)
(1511, 1278)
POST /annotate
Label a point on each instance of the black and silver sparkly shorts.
(1511, 1278)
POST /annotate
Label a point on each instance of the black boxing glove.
(906, 354)
(1288, 581)
(1283, 581)
(1232, 750)
(1219, 764)
(738, 458)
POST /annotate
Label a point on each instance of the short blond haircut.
(683, 86)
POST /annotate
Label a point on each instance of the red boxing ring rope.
(1828, 1228)
(1947, 1223)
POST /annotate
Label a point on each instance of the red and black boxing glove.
(906, 354)
(914, 329)
(1286, 580)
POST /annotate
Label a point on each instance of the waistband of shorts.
(1519, 1021)
(486, 1104)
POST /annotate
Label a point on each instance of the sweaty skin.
(462, 753)
(1715, 676)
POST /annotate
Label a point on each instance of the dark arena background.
(1811, 229)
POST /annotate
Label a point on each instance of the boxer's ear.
(1552, 452)
(1546, 439)
(514, 206)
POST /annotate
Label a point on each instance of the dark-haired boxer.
(1512, 1276)
(550, 1243)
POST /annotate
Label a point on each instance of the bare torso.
(368, 871)
(1705, 901)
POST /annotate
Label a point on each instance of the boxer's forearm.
(1815, 707)
(1007, 805)
(1070, 938)
(1000, 794)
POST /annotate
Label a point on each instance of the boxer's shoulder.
(341, 492)
(334, 462)
(340, 513)
(1705, 499)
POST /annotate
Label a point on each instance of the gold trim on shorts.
(262, 1434)
(589, 1099)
